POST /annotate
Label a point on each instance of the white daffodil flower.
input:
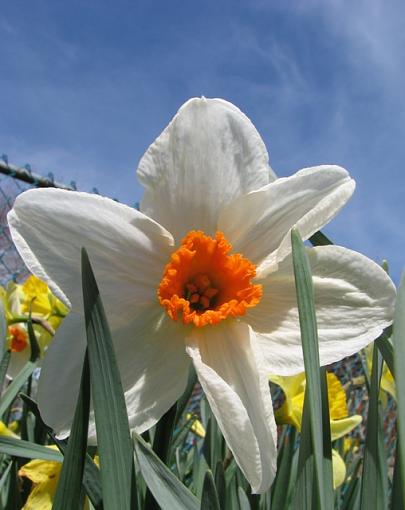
(202, 274)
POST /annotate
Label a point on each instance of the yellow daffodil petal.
(44, 474)
(41, 471)
(197, 427)
(350, 444)
(14, 299)
(340, 428)
(388, 383)
(387, 380)
(36, 294)
(6, 431)
(339, 469)
(41, 496)
(337, 398)
(293, 388)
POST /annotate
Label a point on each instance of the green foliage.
(172, 466)
(314, 467)
(399, 364)
(68, 493)
(114, 441)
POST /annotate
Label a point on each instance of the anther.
(195, 298)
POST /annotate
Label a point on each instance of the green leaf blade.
(14, 387)
(167, 490)
(114, 440)
(372, 492)
(26, 449)
(209, 497)
(399, 369)
(315, 463)
(68, 492)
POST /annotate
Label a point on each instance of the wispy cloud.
(85, 91)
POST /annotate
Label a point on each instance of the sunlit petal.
(258, 224)
(207, 156)
(354, 301)
(152, 361)
(230, 370)
(127, 250)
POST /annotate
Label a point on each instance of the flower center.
(206, 284)
(18, 338)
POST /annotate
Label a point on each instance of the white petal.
(207, 156)
(230, 370)
(17, 362)
(354, 301)
(127, 250)
(258, 224)
(152, 361)
(59, 382)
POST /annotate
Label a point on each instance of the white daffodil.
(202, 273)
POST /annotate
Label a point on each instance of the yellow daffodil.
(387, 380)
(197, 427)
(44, 474)
(340, 421)
(201, 274)
(7, 431)
(19, 300)
(291, 410)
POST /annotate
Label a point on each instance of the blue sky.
(86, 86)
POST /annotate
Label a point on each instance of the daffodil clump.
(207, 283)
(31, 300)
(341, 423)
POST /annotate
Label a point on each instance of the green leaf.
(161, 446)
(13, 496)
(162, 440)
(319, 239)
(163, 434)
(3, 327)
(220, 483)
(13, 388)
(35, 350)
(26, 449)
(5, 360)
(399, 368)
(284, 472)
(168, 491)
(209, 497)
(327, 441)
(353, 482)
(183, 400)
(68, 492)
(397, 500)
(232, 500)
(113, 436)
(372, 488)
(243, 500)
(306, 495)
(213, 443)
(386, 348)
(5, 475)
(313, 391)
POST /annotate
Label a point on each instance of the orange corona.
(18, 338)
(204, 284)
